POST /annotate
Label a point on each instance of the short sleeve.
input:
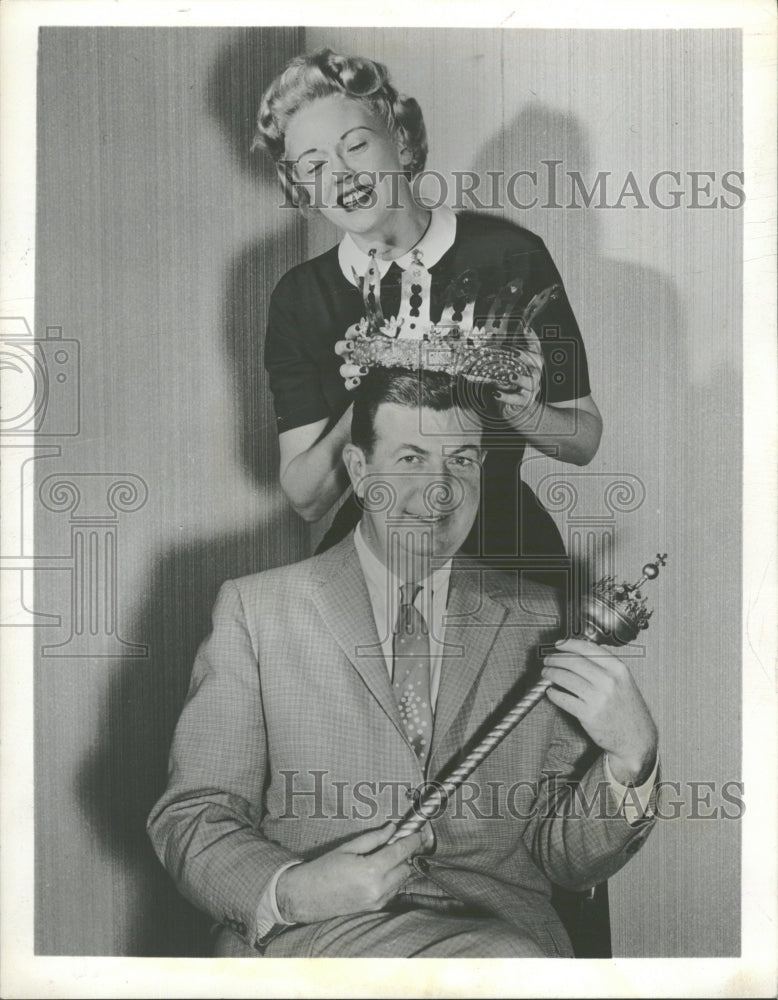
(566, 370)
(294, 376)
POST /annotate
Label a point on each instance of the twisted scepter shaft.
(436, 795)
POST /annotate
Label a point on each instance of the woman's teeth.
(359, 198)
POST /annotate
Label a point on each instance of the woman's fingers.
(352, 371)
(532, 342)
(511, 397)
(521, 383)
(520, 392)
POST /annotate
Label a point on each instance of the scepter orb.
(614, 613)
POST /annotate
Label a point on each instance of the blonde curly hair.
(323, 73)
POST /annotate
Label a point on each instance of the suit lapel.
(344, 605)
(472, 622)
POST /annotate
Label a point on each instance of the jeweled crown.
(499, 351)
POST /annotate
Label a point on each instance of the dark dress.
(313, 305)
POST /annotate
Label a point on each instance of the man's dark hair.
(433, 390)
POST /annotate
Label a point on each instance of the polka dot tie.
(411, 672)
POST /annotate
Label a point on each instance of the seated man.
(330, 690)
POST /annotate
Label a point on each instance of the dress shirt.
(438, 238)
(383, 588)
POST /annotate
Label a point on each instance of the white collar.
(378, 576)
(438, 238)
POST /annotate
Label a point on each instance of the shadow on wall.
(631, 320)
(234, 90)
(658, 389)
(239, 77)
(123, 776)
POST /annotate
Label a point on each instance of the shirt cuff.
(634, 799)
(269, 920)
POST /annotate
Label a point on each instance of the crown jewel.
(499, 351)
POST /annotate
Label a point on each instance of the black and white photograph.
(388, 449)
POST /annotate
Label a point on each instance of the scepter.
(612, 615)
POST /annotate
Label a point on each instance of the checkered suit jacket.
(290, 742)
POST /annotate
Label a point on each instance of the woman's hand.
(349, 372)
(569, 431)
(519, 403)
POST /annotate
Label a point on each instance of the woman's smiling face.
(349, 163)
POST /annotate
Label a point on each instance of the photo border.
(22, 974)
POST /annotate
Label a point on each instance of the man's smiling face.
(420, 484)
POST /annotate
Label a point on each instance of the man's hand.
(594, 685)
(360, 875)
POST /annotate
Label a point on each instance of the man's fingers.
(566, 701)
(585, 647)
(604, 658)
(399, 852)
(590, 670)
(392, 882)
(364, 843)
(428, 837)
(571, 681)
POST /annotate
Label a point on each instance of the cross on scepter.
(651, 571)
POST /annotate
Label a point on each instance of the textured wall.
(157, 244)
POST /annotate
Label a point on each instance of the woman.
(348, 145)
